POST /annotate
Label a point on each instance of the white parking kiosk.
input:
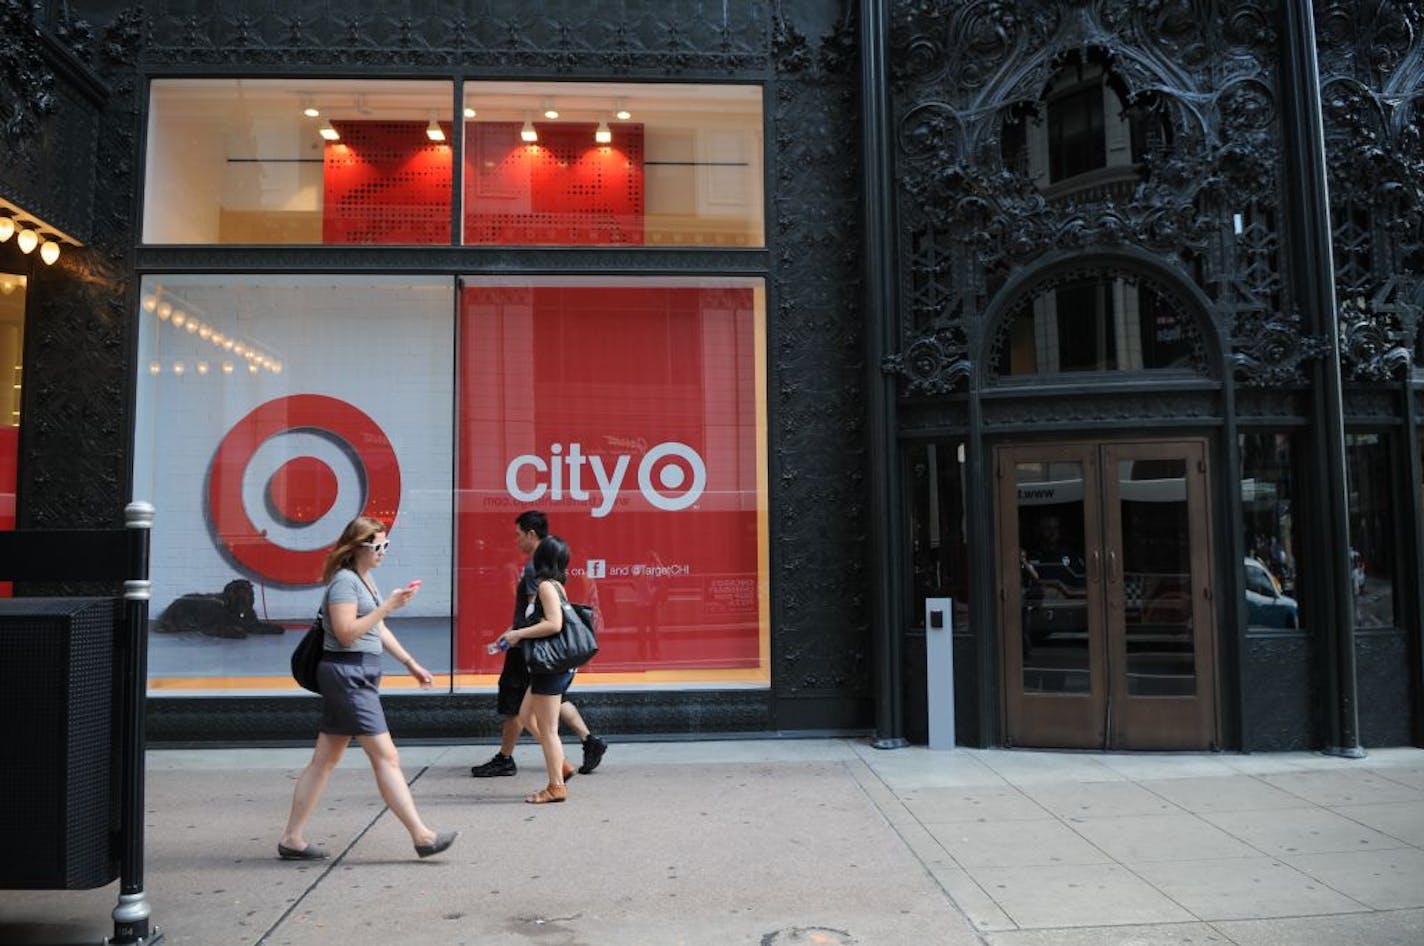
(939, 668)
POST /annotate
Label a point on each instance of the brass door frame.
(1108, 715)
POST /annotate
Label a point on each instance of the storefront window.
(632, 412)
(939, 565)
(312, 161)
(13, 288)
(1270, 574)
(626, 165)
(334, 161)
(271, 411)
(1372, 525)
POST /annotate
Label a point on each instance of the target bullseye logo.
(303, 489)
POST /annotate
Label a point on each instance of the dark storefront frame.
(849, 378)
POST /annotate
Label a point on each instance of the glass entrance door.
(1104, 572)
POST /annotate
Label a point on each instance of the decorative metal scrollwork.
(1276, 353)
(932, 364)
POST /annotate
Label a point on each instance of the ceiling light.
(622, 113)
(550, 112)
(49, 252)
(327, 132)
(527, 133)
(603, 136)
(434, 132)
(469, 112)
(28, 240)
(7, 228)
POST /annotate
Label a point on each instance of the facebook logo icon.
(597, 568)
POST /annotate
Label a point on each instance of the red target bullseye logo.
(304, 488)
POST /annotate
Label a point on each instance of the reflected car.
(1266, 604)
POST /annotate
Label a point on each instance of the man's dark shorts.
(513, 681)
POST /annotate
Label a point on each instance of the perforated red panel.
(386, 182)
(564, 189)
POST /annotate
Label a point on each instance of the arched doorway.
(1103, 538)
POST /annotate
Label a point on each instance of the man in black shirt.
(530, 527)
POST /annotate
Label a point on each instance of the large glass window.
(1270, 573)
(256, 161)
(632, 412)
(327, 161)
(271, 411)
(601, 163)
(1372, 528)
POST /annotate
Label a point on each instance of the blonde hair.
(358, 530)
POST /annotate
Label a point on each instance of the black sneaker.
(593, 750)
(501, 764)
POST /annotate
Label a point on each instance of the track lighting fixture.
(550, 112)
(603, 136)
(527, 133)
(621, 111)
(434, 132)
(328, 132)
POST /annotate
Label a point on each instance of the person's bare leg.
(385, 762)
(310, 784)
(509, 730)
(572, 720)
(541, 718)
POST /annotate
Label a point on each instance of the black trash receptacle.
(58, 797)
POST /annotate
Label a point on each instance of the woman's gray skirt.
(351, 694)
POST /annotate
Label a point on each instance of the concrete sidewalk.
(784, 842)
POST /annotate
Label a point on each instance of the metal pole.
(1305, 131)
(881, 320)
(132, 921)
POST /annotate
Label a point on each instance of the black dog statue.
(228, 614)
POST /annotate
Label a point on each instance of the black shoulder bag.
(571, 648)
(307, 657)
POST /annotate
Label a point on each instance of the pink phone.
(414, 584)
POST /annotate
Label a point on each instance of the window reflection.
(1367, 463)
(1053, 577)
(1098, 322)
(1269, 572)
(939, 557)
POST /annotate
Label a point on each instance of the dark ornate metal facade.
(1206, 219)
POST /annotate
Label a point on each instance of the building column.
(887, 572)
(1310, 238)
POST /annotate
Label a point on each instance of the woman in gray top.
(353, 614)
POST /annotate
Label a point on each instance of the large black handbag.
(571, 648)
(307, 656)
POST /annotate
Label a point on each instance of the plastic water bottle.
(494, 647)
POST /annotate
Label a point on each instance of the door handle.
(1114, 576)
(1097, 566)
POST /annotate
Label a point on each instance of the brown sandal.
(547, 794)
(569, 770)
